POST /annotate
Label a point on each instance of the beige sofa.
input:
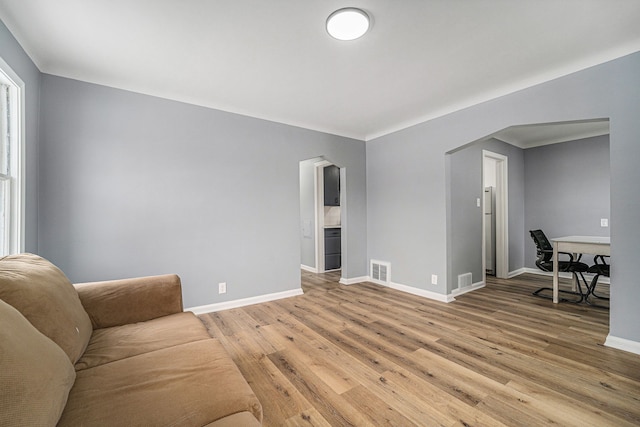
(117, 353)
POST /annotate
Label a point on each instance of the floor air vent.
(464, 280)
(380, 271)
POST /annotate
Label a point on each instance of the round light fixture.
(348, 23)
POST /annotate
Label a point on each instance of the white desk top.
(584, 239)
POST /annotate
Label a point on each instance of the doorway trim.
(502, 215)
(319, 212)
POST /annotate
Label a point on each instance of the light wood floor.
(364, 355)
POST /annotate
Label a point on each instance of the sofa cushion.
(190, 384)
(35, 374)
(119, 342)
(44, 295)
(138, 299)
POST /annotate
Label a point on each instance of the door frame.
(319, 215)
(319, 212)
(502, 215)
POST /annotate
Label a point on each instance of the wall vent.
(380, 271)
(464, 280)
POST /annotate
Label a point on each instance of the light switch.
(604, 222)
(478, 202)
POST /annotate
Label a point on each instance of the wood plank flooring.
(366, 355)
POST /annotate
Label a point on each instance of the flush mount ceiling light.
(348, 23)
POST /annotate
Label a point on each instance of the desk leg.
(555, 272)
(574, 278)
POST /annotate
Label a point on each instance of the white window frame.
(15, 182)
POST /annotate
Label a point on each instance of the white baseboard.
(544, 273)
(414, 291)
(469, 288)
(515, 273)
(564, 275)
(309, 269)
(354, 280)
(209, 308)
(622, 344)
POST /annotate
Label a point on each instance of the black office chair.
(599, 268)
(545, 263)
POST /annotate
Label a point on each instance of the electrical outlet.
(604, 222)
(222, 287)
(434, 279)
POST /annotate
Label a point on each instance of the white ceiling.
(274, 60)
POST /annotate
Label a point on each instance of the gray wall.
(134, 185)
(567, 190)
(13, 54)
(464, 219)
(562, 189)
(406, 187)
(131, 184)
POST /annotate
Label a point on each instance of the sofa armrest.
(120, 302)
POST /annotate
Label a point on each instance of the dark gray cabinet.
(332, 249)
(332, 186)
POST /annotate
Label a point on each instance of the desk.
(579, 245)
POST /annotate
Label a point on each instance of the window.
(11, 147)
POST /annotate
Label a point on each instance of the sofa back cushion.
(35, 374)
(44, 295)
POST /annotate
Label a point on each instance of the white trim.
(307, 268)
(563, 275)
(318, 186)
(415, 291)
(501, 214)
(344, 242)
(210, 308)
(539, 272)
(318, 199)
(472, 287)
(354, 280)
(622, 344)
(18, 210)
(517, 272)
